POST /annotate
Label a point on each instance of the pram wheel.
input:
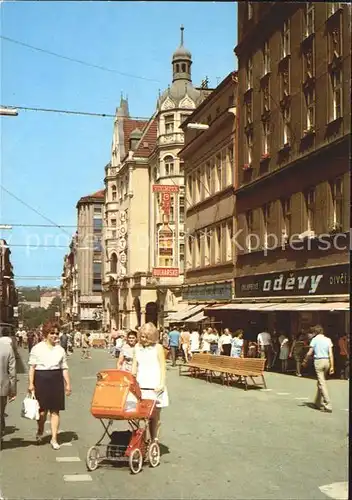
(154, 454)
(136, 461)
(92, 460)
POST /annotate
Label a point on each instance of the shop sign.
(330, 280)
(166, 272)
(213, 291)
(159, 188)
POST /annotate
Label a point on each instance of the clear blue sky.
(51, 160)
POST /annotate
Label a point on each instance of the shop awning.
(196, 318)
(293, 306)
(185, 313)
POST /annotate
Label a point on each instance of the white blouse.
(44, 357)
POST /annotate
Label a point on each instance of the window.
(169, 165)
(336, 91)
(308, 64)
(207, 249)
(286, 215)
(285, 83)
(218, 172)
(335, 41)
(182, 257)
(231, 101)
(190, 190)
(96, 285)
(218, 245)
(265, 137)
(266, 217)
(249, 10)
(172, 209)
(249, 73)
(183, 117)
(337, 203)
(198, 250)
(229, 165)
(113, 263)
(286, 126)
(208, 176)
(97, 225)
(126, 185)
(169, 124)
(309, 13)
(113, 193)
(309, 197)
(249, 138)
(228, 239)
(266, 58)
(182, 168)
(249, 112)
(189, 262)
(199, 185)
(97, 211)
(285, 39)
(181, 209)
(333, 7)
(249, 222)
(310, 110)
(113, 230)
(265, 95)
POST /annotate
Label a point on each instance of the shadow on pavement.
(312, 406)
(164, 450)
(68, 436)
(16, 443)
(10, 429)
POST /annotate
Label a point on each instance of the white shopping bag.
(30, 408)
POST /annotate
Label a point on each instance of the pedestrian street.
(217, 442)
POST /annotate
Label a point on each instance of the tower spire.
(182, 30)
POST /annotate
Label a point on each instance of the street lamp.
(198, 126)
(8, 112)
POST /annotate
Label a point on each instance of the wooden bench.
(227, 368)
(242, 368)
(199, 363)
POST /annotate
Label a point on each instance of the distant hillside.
(32, 294)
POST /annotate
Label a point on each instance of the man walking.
(174, 343)
(321, 346)
(8, 378)
(265, 346)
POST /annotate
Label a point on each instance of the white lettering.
(290, 282)
(266, 285)
(302, 281)
(314, 282)
(278, 282)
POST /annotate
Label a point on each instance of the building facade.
(293, 185)
(89, 255)
(69, 289)
(144, 264)
(209, 162)
(8, 293)
(46, 298)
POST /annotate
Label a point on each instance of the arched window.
(169, 165)
(177, 68)
(113, 263)
(113, 193)
(183, 68)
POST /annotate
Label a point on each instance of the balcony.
(172, 138)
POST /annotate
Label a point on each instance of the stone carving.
(168, 104)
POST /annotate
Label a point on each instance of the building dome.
(181, 53)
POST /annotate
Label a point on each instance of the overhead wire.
(78, 61)
(70, 112)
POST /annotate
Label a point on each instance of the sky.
(49, 160)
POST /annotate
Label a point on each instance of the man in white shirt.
(8, 378)
(265, 347)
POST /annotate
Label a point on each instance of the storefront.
(289, 301)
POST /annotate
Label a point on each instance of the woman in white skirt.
(149, 368)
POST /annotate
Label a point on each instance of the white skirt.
(162, 400)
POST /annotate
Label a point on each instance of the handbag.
(30, 408)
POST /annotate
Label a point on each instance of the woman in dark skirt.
(49, 381)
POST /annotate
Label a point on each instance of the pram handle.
(159, 393)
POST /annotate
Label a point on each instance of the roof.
(147, 142)
(98, 195)
(130, 126)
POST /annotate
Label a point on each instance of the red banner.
(166, 272)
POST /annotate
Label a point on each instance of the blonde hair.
(150, 331)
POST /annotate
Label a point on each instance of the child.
(149, 368)
(127, 352)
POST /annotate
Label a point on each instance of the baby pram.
(117, 396)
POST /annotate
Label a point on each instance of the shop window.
(336, 187)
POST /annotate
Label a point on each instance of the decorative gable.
(168, 104)
(187, 103)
